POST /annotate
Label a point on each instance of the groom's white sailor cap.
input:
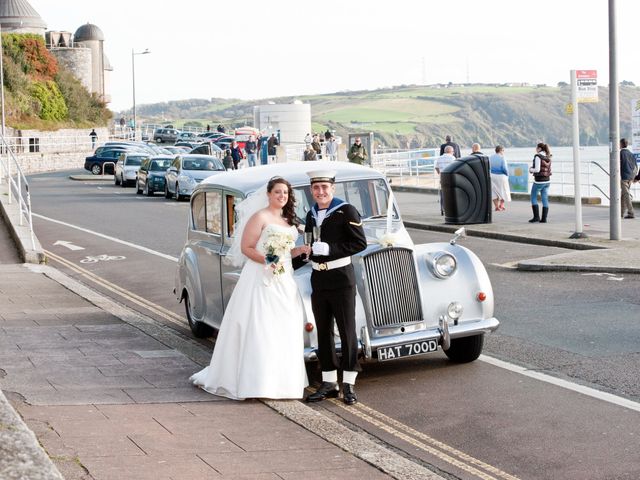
(322, 176)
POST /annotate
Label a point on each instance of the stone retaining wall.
(49, 162)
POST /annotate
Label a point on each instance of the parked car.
(189, 145)
(177, 149)
(106, 157)
(187, 171)
(168, 135)
(188, 137)
(127, 167)
(207, 149)
(224, 142)
(411, 299)
(151, 174)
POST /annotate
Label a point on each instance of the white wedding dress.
(259, 352)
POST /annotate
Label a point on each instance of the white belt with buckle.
(340, 262)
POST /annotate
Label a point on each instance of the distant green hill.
(422, 116)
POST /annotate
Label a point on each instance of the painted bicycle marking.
(101, 258)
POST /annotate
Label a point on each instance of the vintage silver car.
(411, 298)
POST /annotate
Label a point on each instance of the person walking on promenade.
(327, 135)
(541, 170)
(450, 143)
(441, 162)
(309, 154)
(94, 138)
(315, 144)
(259, 351)
(499, 179)
(272, 143)
(357, 152)
(339, 234)
(628, 171)
(250, 149)
(227, 161)
(331, 148)
(476, 149)
(236, 154)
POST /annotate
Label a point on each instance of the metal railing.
(18, 187)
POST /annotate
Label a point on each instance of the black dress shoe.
(349, 394)
(326, 390)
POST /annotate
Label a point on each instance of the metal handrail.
(601, 191)
(16, 187)
(601, 168)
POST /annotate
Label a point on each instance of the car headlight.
(454, 310)
(443, 264)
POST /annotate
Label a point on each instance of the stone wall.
(49, 162)
(66, 140)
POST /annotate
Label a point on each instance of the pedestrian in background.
(315, 144)
(227, 161)
(541, 170)
(236, 154)
(309, 153)
(94, 138)
(250, 149)
(450, 143)
(499, 179)
(628, 172)
(331, 148)
(307, 139)
(441, 162)
(272, 143)
(476, 149)
(357, 152)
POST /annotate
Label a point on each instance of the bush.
(52, 104)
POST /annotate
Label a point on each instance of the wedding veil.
(244, 210)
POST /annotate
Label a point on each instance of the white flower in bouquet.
(276, 246)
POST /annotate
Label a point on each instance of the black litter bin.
(466, 190)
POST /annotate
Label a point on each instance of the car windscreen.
(369, 196)
(134, 161)
(202, 164)
(160, 165)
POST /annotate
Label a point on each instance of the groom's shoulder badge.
(355, 224)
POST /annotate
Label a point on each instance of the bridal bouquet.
(276, 246)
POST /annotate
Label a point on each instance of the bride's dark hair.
(289, 210)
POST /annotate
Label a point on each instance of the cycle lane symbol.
(101, 258)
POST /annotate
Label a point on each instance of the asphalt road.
(486, 419)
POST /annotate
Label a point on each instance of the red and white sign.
(587, 81)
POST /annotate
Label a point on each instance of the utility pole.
(614, 129)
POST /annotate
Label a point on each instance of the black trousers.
(341, 305)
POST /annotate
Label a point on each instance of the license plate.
(407, 350)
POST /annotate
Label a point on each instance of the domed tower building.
(17, 16)
(91, 37)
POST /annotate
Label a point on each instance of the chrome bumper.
(443, 334)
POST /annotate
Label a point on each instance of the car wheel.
(96, 169)
(146, 190)
(177, 196)
(123, 182)
(167, 193)
(158, 140)
(199, 329)
(466, 349)
(138, 191)
(116, 180)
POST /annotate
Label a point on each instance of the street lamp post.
(133, 81)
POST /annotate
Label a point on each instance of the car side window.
(231, 202)
(198, 212)
(214, 212)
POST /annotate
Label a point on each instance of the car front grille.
(392, 287)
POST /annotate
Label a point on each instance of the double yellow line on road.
(424, 442)
(132, 297)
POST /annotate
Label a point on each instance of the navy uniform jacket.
(342, 230)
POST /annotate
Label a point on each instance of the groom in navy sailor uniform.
(333, 284)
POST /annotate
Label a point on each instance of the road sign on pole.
(587, 83)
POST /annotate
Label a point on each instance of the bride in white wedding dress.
(259, 349)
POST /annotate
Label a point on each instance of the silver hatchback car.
(187, 171)
(411, 299)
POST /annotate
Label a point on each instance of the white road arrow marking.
(69, 245)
